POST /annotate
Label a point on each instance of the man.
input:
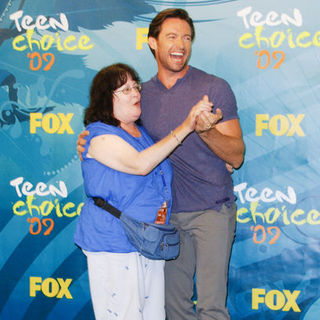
(203, 208)
(203, 202)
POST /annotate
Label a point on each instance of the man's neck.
(169, 78)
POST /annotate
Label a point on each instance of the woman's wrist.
(175, 137)
(181, 132)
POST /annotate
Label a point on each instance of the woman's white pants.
(126, 286)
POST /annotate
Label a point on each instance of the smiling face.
(126, 107)
(173, 46)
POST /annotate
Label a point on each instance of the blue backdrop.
(269, 52)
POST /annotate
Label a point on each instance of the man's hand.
(81, 142)
(207, 120)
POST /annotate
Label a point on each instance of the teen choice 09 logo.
(42, 34)
(270, 34)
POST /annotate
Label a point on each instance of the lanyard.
(164, 185)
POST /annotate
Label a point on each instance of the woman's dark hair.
(106, 81)
(156, 23)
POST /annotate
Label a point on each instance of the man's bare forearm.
(228, 148)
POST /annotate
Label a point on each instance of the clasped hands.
(206, 120)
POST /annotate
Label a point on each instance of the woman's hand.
(203, 106)
(81, 142)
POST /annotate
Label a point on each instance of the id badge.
(162, 214)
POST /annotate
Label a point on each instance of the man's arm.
(224, 139)
(81, 143)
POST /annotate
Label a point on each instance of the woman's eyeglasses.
(127, 90)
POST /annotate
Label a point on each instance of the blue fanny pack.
(154, 241)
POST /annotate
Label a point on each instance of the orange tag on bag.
(162, 214)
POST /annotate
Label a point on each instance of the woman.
(123, 166)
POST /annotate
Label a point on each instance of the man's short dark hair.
(156, 23)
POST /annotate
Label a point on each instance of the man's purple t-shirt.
(200, 179)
